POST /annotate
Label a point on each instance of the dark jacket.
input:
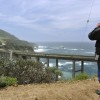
(97, 45)
(95, 35)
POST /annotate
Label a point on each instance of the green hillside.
(8, 41)
(6, 35)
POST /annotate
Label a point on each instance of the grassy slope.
(6, 35)
(78, 90)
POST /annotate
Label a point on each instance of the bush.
(2, 84)
(52, 74)
(54, 70)
(26, 72)
(10, 81)
(82, 76)
(7, 81)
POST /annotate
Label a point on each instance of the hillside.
(11, 42)
(77, 90)
(6, 35)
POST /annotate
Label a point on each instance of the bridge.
(14, 54)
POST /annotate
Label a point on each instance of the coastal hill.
(8, 41)
(75, 90)
(6, 35)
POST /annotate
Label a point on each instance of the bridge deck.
(59, 56)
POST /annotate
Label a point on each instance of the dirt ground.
(76, 90)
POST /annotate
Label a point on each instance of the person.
(95, 35)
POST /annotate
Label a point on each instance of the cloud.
(49, 16)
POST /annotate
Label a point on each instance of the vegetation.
(82, 76)
(18, 45)
(28, 71)
(78, 90)
(22, 71)
(6, 35)
(7, 81)
(8, 41)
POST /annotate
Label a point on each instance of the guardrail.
(57, 57)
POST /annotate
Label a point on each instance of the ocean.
(73, 48)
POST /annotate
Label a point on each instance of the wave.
(62, 64)
(50, 64)
(85, 63)
(47, 49)
(41, 46)
(90, 52)
(56, 49)
(41, 50)
(65, 63)
(77, 63)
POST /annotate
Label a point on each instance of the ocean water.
(74, 48)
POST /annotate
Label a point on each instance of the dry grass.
(78, 90)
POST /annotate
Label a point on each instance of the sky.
(49, 20)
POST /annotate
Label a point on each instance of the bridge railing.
(73, 58)
(57, 57)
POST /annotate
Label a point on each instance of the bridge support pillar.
(38, 59)
(57, 68)
(57, 63)
(82, 66)
(47, 62)
(73, 69)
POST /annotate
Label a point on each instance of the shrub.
(2, 84)
(82, 76)
(7, 81)
(55, 70)
(26, 72)
(10, 81)
(52, 74)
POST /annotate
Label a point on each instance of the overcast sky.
(49, 20)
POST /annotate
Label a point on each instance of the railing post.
(47, 62)
(73, 69)
(82, 66)
(11, 54)
(57, 63)
(57, 68)
(38, 59)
